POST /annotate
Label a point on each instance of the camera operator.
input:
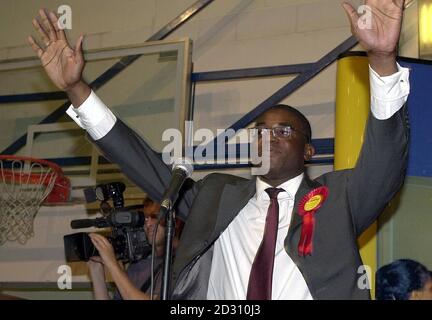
(134, 284)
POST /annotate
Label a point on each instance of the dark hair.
(305, 122)
(398, 279)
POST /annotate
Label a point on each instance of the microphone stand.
(169, 235)
(181, 171)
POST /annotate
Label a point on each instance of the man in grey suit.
(227, 217)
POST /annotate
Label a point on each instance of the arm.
(97, 274)
(380, 169)
(64, 66)
(127, 289)
(144, 166)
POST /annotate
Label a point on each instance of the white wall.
(227, 34)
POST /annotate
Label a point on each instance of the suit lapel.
(234, 197)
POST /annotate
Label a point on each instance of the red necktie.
(260, 279)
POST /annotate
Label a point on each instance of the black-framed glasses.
(284, 132)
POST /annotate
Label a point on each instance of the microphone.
(182, 169)
(82, 223)
(87, 223)
(116, 219)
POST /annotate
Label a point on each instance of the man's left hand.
(106, 250)
(378, 31)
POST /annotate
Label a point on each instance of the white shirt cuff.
(388, 94)
(93, 116)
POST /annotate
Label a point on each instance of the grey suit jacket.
(356, 198)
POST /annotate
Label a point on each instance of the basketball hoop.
(25, 183)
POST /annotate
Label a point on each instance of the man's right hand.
(63, 64)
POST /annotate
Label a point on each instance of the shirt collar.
(291, 186)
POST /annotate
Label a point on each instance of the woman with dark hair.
(403, 280)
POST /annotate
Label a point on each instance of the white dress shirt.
(235, 249)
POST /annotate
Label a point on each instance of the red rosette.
(307, 208)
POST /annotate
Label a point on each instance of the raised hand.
(63, 64)
(380, 35)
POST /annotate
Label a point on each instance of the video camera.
(128, 237)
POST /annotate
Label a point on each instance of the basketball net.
(24, 184)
